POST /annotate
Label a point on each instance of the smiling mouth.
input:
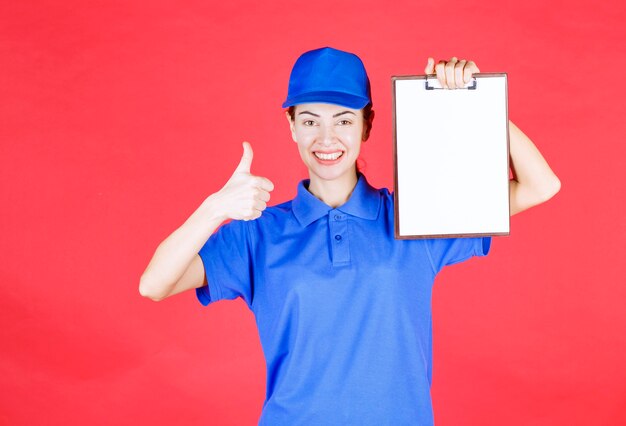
(328, 156)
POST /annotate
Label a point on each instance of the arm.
(176, 266)
(533, 181)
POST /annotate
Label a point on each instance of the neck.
(333, 192)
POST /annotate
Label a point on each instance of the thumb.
(246, 159)
(430, 66)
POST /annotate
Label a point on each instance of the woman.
(343, 309)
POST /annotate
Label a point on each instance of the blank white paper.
(452, 158)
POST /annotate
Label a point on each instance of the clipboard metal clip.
(438, 87)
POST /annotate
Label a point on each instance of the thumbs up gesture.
(245, 196)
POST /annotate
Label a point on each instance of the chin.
(329, 174)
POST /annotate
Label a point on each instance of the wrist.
(210, 209)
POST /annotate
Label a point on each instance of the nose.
(328, 135)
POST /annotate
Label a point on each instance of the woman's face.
(329, 138)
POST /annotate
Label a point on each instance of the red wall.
(118, 118)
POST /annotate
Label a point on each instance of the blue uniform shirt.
(343, 309)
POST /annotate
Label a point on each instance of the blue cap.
(329, 76)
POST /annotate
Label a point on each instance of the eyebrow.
(334, 116)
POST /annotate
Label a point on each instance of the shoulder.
(385, 193)
(278, 212)
(386, 198)
(274, 217)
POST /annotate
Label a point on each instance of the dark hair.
(367, 112)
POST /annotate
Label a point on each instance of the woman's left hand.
(452, 74)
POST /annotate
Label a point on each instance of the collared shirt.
(343, 309)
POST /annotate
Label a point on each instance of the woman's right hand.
(176, 265)
(245, 196)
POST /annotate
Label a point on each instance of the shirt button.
(338, 237)
(337, 217)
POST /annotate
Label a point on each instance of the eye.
(344, 122)
(308, 123)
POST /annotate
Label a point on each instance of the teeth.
(323, 156)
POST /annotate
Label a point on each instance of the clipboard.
(451, 157)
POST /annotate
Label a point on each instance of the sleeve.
(227, 261)
(448, 251)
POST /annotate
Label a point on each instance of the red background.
(118, 118)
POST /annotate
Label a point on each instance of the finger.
(263, 195)
(449, 71)
(260, 194)
(259, 205)
(430, 66)
(469, 71)
(458, 73)
(264, 184)
(252, 215)
(441, 73)
(246, 159)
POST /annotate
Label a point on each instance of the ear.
(367, 127)
(292, 126)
